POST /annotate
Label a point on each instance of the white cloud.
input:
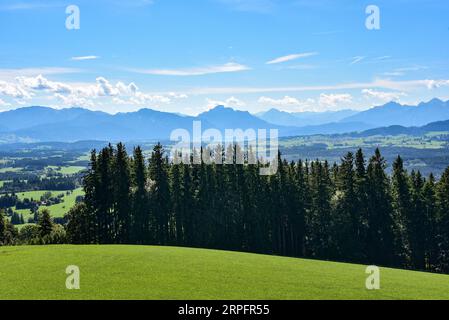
(82, 58)
(230, 102)
(13, 90)
(178, 95)
(435, 84)
(287, 103)
(228, 67)
(105, 88)
(333, 100)
(83, 94)
(382, 95)
(292, 57)
(41, 83)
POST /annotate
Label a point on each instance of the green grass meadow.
(146, 272)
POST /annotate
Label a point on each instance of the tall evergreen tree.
(431, 227)
(347, 216)
(160, 194)
(418, 223)
(442, 197)
(45, 224)
(121, 196)
(141, 212)
(380, 233)
(402, 207)
(2, 228)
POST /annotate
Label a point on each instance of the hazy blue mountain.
(393, 113)
(145, 124)
(278, 117)
(439, 126)
(41, 124)
(300, 119)
(222, 118)
(32, 116)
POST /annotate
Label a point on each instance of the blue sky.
(188, 56)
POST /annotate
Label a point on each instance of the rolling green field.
(136, 272)
(56, 210)
(68, 170)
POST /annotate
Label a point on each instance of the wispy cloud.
(82, 58)
(402, 71)
(357, 59)
(382, 95)
(29, 5)
(225, 68)
(292, 57)
(408, 85)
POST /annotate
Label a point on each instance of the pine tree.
(2, 228)
(347, 216)
(177, 206)
(380, 235)
(418, 223)
(431, 231)
(361, 189)
(320, 219)
(442, 196)
(187, 204)
(402, 206)
(140, 222)
(104, 197)
(90, 219)
(160, 194)
(45, 224)
(121, 188)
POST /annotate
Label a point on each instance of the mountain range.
(38, 124)
(302, 119)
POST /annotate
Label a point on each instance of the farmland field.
(145, 272)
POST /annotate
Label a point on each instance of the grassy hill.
(136, 272)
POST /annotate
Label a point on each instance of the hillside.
(135, 272)
(439, 126)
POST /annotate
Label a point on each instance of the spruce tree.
(442, 196)
(45, 223)
(140, 221)
(2, 228)
(402, 206)
(418, 223)
(380, 234)
(121, 194)
(160, 194)
(431, 230)
(347, 216)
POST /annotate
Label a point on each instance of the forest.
(351, 211)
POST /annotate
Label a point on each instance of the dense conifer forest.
(351, 211)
